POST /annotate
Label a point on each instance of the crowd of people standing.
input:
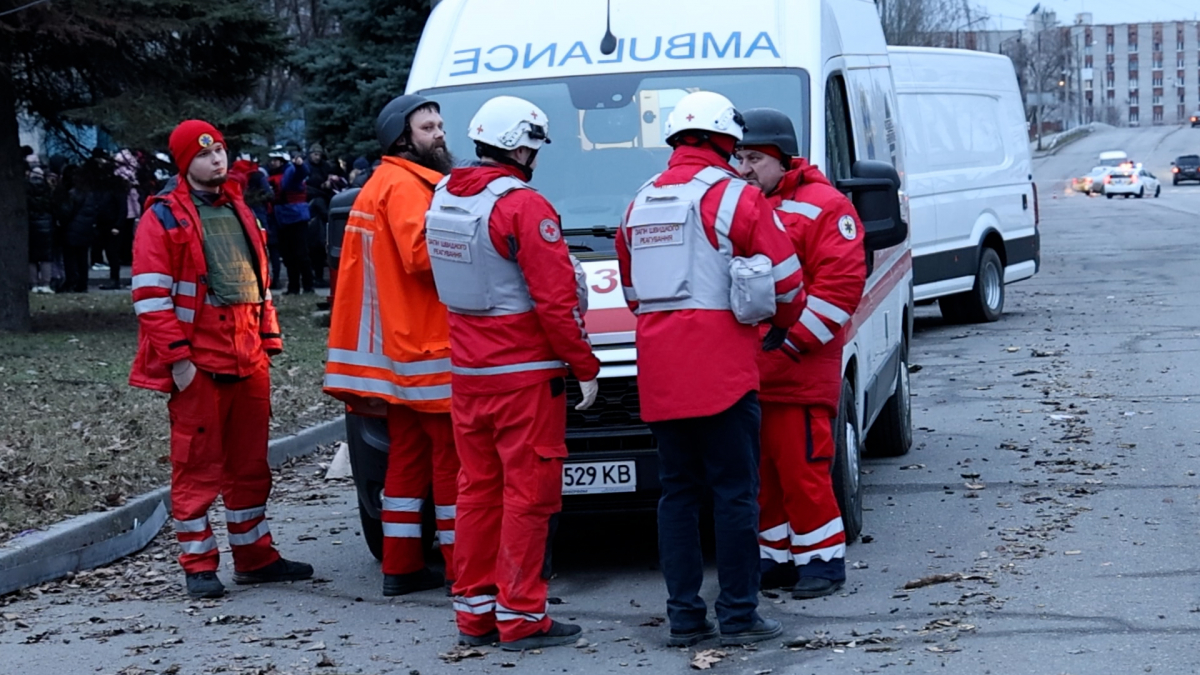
(82, 215)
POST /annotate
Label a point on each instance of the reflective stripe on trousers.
(479, 604)
(828, 553)
(194, 525)
(505, 614)
(409, 505)
(247, 538)
(199, 547)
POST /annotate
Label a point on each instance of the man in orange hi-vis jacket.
(389, 338)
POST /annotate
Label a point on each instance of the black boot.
(403, 584)
(780, 576)
(280, 570)
(204, 585)
(812, 587)
(478, 640)
(556, 634)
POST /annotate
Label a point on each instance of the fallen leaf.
(707, 659)
(459, 653)
(315, 647)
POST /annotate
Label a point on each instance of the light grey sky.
(1009, 14)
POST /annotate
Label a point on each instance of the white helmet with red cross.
(705, 111)
(508, 123)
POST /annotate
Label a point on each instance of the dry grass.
(75, 437)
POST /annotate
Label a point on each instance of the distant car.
(1185, 167)
(1091, 183)
(1113, 158)
(1195, 120)
(1132, 182)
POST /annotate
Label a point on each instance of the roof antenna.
(609, 44)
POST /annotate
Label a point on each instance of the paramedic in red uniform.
(207, 330)
(504, 271)
(694, 234)
(801, 537)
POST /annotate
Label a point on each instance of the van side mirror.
(875, 192)
(339, 213)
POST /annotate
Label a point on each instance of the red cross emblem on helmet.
(479, 130)
(534, 114)
(691, 117)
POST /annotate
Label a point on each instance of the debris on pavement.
(822, 640)
(935, 579)
(460, 652)
(339, 466)
(708, 658)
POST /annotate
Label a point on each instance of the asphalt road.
(1054, 474)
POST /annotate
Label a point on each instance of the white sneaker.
(43, 289)
(99, 267)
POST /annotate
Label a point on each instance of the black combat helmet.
(393, 119)
(768, 126)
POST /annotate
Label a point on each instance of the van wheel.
(891, 435)
(984, 302)
(847, 475)
(372, 529)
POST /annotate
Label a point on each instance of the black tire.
(847, 475)
(1109, 196)
(1175, 181)
(1157, 192)
(372, 530)
(1141, 193)
(891, 435)
(985, 301)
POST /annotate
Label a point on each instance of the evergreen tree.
(353, 73)
(133, 67)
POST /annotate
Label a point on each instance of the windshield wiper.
(605, 231)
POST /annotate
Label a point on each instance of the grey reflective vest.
(472, 277)
(673, 265)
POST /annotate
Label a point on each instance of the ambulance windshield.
(607, 133)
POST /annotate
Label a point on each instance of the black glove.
(774, 338)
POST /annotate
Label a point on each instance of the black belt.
(224, 378)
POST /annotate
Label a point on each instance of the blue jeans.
(718, 453)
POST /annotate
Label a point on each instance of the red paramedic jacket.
(524, 221)
(828, 237)
(170, 285)
(698, 362)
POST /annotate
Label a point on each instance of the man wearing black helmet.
(389, 338)
(802, 541)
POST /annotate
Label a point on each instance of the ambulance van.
(607, 74)
(970, 179)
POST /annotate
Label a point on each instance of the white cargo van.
(970, 186)
(607, 96)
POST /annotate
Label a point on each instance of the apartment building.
(1149, 72)
(1123, 74)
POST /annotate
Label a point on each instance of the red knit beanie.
(189, 138)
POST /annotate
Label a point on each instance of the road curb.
(1069, 138)
(94, 539)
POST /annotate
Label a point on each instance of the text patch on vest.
(448, 249)
(650, 236)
